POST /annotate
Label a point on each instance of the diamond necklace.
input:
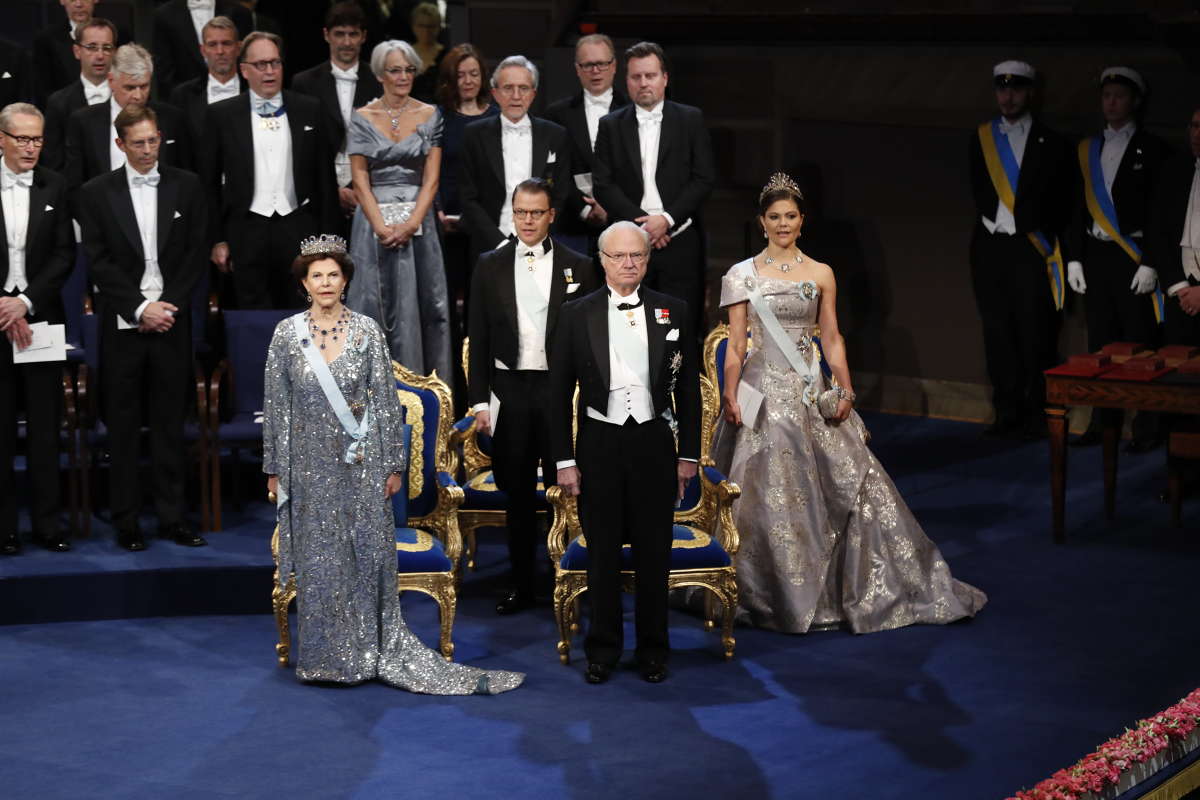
(783, 266)
(394, 115)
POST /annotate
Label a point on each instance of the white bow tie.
(201, 5)
(220, 90)
(13, 179)
(1007, 127)
(95, 95)
(602, 101)
(649, 117)
(520, 129)
(343, 74)
(145, 180)
(1110, 134)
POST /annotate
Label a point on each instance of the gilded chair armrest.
(564, 524)
(474, 459)
(726, 491)
(461, 429)
(445, 517)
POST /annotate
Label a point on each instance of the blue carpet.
(1076, 642)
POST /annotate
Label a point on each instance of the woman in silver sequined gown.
(336, 531)
(401, 284)
(826, 539)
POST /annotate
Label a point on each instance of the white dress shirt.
(628, 363)
(215, 91)
(596, 106)
(143, 193)
(1189, 244)
(202, 13)
(1017, 133)
(115, 157)
(274, 181)
(516, 145)
(94, 94)
(533, 270)
(14, 195)
(345, 81)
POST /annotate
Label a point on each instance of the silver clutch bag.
(827, 403)
(396, 213)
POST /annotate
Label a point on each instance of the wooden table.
(1171, 393)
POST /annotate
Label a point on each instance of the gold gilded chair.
(702, 551)
(484, 503)
(428, 542)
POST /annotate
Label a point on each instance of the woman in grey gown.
(395, 149)
(826, 539)
(333, 475)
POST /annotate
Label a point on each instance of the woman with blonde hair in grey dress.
(395, 149)
(826, 539)
(333, 457)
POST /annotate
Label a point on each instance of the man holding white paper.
(35, 263)
(520, 287)
(144, 227)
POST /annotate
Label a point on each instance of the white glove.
(1075, 277)
(1144, 280)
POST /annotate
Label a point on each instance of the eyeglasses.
(635, 258)
(263, 66)
(393, 72)
(516, 90)
(26, 141)
(595, 66)
(98, 48)
(534, 214)
(143, 144)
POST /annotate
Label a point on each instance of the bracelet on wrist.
(845, 394)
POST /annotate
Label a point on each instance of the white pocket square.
(48, 208)
(572, 288)
(308, 128)
(169, 141)
(177, 215)
(673, 335)
(304, 202)
(550, 159)
(6, 75)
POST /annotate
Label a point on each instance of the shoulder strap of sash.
(354, 429)
(775, 329)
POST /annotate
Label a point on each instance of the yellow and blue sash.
(1004, 171)
(1100, 206)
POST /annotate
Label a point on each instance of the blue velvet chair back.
(247, 337)
(400, 498)
(199, 309)
(424, 409)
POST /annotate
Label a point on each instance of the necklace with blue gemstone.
(331, 333)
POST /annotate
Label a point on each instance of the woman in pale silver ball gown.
(826, 539)
(395, 149)
(333, 474)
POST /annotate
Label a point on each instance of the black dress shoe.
(131, 540)
(56, 543)
(1089, 438)
(10, 545)
(515, 602)
(597, 673)
(181, 534)
(654, 672)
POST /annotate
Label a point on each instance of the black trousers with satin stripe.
(628, 482)
(146, 370)
(262, 250)
(37, 388)
(520, 445)
(1020, 324)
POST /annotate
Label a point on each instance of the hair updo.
(773, 196)
(302, 263)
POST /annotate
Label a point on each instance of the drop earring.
(308, 298)
(343, 296)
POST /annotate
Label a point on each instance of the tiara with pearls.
(780, 181)
(321, 245)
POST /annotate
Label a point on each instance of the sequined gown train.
(335, 527)
(402, 288)
(825, 536)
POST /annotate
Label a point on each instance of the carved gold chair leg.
(280, 599)
(446, 605)
(730, 601)
(469, 540)
(563, 603)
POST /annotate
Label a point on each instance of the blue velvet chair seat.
(418, 551)
(482, 493)
(241, 427)
(691, 549)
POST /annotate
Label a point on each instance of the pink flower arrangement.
(1097, 771)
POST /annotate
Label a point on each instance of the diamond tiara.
(324, 244)
(780, 181)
